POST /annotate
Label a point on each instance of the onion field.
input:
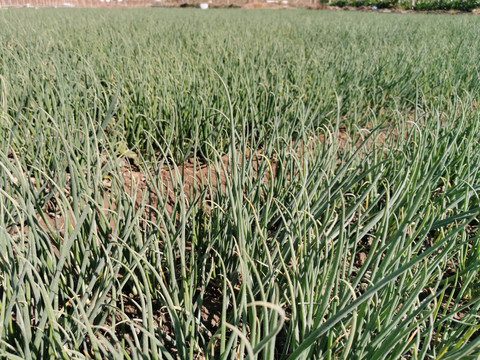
(233, 184)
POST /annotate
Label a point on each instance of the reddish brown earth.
(190, 179)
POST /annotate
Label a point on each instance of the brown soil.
(267, 6)
(190, 180)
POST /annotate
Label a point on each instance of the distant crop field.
(186, 184)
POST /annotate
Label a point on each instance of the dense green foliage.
(346, 224)
(421, 5)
